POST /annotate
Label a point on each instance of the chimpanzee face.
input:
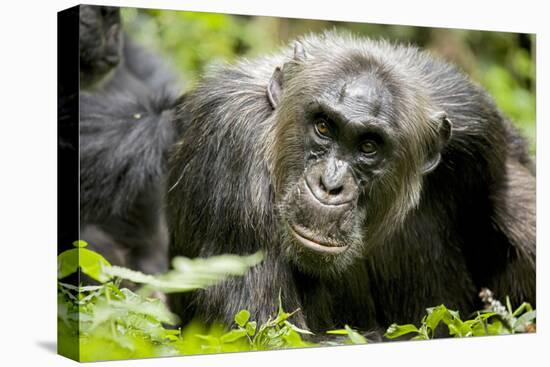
(347, 140)
(348, 167)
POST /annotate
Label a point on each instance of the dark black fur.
(99, 43)
(427, 234)
(126, 130)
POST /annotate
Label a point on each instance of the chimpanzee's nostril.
(330, 191)
(331, 183)
(336, 191)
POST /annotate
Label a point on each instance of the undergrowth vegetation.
(102, 319)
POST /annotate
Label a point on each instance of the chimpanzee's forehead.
(362, 97)
(365, 92)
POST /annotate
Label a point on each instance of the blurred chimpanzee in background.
(127, 100)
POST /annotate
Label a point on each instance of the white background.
(28, 181)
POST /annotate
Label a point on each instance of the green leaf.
(486, 315)
(293, 339)
(422, 333)
(190, 274)
(88, 288)
(435, 315)
(223, 264)
(297, 329)
(131, 275)
(524, 306)
(67, 263)
(355, 337)
(395, 331)
(455, 328)
(337, 332)
(233, 335)
(208, 338)
(151, 307)
(90, 262)
(241, 318)
(80, 243)
(497, 328)
(524, 319)
(281, 316)
(133, 310)
(251, 327)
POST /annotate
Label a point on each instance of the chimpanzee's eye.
(369, 147)
(322, 128)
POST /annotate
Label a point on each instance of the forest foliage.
(103, 319)
(502, 62)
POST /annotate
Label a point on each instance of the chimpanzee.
(127, 102)
(378, 180)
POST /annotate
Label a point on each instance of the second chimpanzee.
(127, 102)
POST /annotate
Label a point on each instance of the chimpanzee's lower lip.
(315, 245)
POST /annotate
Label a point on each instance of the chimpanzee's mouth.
(312, 242)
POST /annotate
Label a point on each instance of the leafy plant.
(273, 334)
(110, 322)
(497, 321)
(520, 320)
(105, 321)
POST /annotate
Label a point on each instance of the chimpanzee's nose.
(331, 182)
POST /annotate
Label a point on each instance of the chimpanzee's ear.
(299, 52)
(275, 87)
(444, 135)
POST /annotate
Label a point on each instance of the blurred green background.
(502, 62)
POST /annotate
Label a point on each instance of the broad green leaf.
(138, 277)
(222, 264)
(191, 274)
(395, 331)
(435, 315)
(233, 335)
(293, 339)
(90, 262)
(241, 318)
